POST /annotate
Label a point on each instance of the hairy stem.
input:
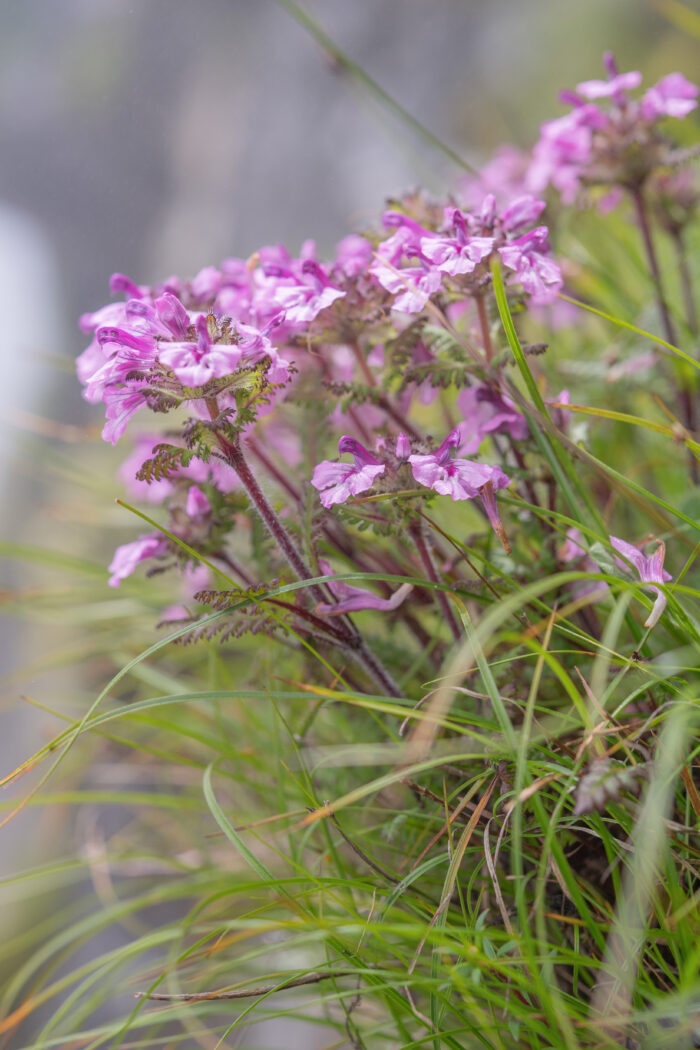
(484, 326)
(346, 635)
(235, 458)
(645, 230)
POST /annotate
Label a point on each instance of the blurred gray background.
(158, 136)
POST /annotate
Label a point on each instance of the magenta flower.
(572, 550)
(651, 570)
(673, 96)
(458, 478)
(458, 253)
(413, 284)
(564, 149)
(302, 296)
(539, 275)
(522, 212)
(197, 505)
(121, 402)
(413, 262)
(194, 364)
(602, 143)
(487, 411)
(615, 88)
(353, 255)
(337, 482)
(357, 599)
(462, 479)
(127, 557)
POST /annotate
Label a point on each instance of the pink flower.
(462, 479)
(357, 599)
(337, 482)
(127, 557)
(302, 296)
(353, 255)
(614, 88)
(673, 96)
(572, 550)
(458, 478)
(413, 284)
(539, 275)
(197, 505)
(195, 364)
(121, 402)
(564, 149)
(522, 212)
(466, 240)
(458, 253)
(650, 568)
(487, 411)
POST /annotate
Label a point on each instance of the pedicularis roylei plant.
(426, 556)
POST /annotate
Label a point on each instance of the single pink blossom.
(650, 568)
(128, 556)
(539, 275)
(462, 479)
(615, 88)
(337, 482)
(357, 599)
(197, 504)
(673, 96)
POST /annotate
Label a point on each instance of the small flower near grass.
(337, 482)
(650, 568)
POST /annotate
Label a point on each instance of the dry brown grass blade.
(454, 866)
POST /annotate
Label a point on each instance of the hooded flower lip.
(539, 275)
(403, 447)
(357, 599)
(488, 411)
(650, 568)
(128, 556)
(614, 88)
(337, 482)
(195, 364)
(458, 252)
(301, 296)
(673, 96)
(458, 478)
(462, 479)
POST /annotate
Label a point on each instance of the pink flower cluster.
(414, 263)
(240, 346)
(461, 479)
(608, 136)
